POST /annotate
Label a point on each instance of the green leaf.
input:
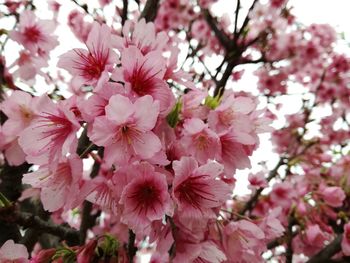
(4, 202)
(109, 247)
(212, 102)
(173, 116)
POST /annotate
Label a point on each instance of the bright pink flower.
(125, 131)
(52, 135)
(333, 196)
(91, 67)
(13, 253)
(62, 182)
(35, 34)
(141, 35)
(196, 190)
(200, 141)
(345, 244)
(87, 252)
(145, 198)
(43, 256)
(143, 75)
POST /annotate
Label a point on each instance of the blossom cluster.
(166, 161)
(139, 154)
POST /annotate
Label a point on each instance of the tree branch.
(235, 33)
(246, 20)
(328, 252)
(252, 201)
(221, 36)
(28, 220)
(131, 246)
(125, 11)
(149, 12)
(88, 220)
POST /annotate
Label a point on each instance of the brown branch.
(220, 87)
(82, 6)
(88, 220)
(149, 12)
(125, 11)
(131, 246)
(328, 252)
(289, 236)
(221, 36)
(246, 20)
(235, 33)
(28, 220)
(252, 201)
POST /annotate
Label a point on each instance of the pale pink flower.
(200, 141)
(34, 34)
(126, 130)
(28, 65)
(95, 105)
(62, 183)
(257, 180)
(243, 240)
(141, 35)
(13, 253)
(197, 190)
(333, 196)
(271, 225)
(19, 109)
(91, 67)
(79, 27)
(106, 189)
(145, 198)
(233, 155)
(345, 244)
(233, 115)
(143, 75)
(52, 135)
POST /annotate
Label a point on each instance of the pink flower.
(125, 131)
(200, 141)
(61, 183)
(13, 253)
(345, 243)
(196, 190)
(79, 27)
(257, 180)
(143, 75)
(333, 196)
(141, 35)
(233, 154)
(232, 111)
(52, 135)
(91, 67)
(29, 65)
(19, 109)
(34, 34)
(243, 240)
(145, 198)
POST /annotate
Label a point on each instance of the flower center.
(32, 34)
